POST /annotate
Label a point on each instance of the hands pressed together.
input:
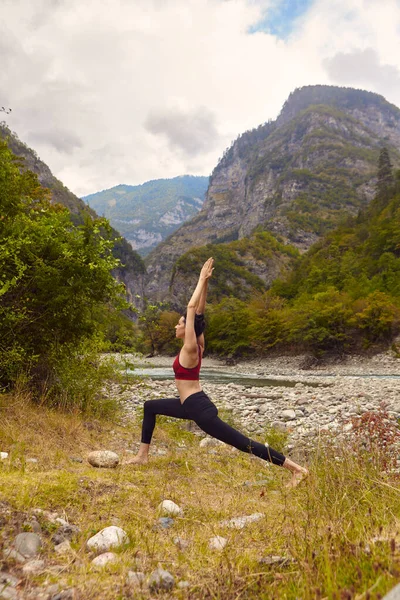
(207, 269)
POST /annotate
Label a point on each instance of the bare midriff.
(186, 388)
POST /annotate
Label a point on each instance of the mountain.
(146, 214)
(340, 297)
(296, 177)
(132, 271)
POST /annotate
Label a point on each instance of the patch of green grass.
(327, 526)
(276, 438)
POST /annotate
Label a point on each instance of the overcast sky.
(123, 91)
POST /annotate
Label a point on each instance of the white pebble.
(217, 543)
(170, 508)
(104, 559)
(107, 538)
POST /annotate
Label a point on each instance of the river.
(215, 375)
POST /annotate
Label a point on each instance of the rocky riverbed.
(325, 397)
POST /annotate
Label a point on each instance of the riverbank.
(327, 398)
(290, 366)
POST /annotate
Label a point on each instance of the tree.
(385, 183)
(55, 278)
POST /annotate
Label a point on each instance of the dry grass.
(326, 526)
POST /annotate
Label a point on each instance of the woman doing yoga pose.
(193, 403)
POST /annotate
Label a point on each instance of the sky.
(112, 92)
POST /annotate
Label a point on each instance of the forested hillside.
(342, 295)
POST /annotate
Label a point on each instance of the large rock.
(107, 538)
(28, 544)
(104, 459)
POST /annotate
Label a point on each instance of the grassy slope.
(325, 524)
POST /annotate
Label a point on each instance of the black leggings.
(199, 408)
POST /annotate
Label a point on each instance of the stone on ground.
(289, 414)
(165, 522)
(275, 560)
(210, 442)
(107, 538)
(181, 543)
(394, 594)
(240, 522)
(104, 559)
(169, 508)
(135, 579)
(32, 567)
(8, 593)
(217, 542)
(28, 544)
(63, 548)
(104, 459)
(161, 580)
(7, 584)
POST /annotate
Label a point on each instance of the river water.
(211, 375)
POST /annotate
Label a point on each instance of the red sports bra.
(181, 372)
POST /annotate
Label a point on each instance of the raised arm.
(202, 302)
(196, 305)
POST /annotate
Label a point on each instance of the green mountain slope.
(342, 295)
(146, 214)
(297, 177)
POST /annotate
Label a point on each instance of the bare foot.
(136, 460)
(297, 477)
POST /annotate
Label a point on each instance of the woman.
(193, 403)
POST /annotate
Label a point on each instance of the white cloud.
(191, 132)
(363, 67)
(122, 91)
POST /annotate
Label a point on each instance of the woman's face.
(180, 328)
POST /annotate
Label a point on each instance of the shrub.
(55, 280)
(377, 434)
(228, 327)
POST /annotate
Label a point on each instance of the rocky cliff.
(296, 177)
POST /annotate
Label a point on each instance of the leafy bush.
(157, 330)
(377, 317)
(321, 322)
(228, 328)
(55, 280)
